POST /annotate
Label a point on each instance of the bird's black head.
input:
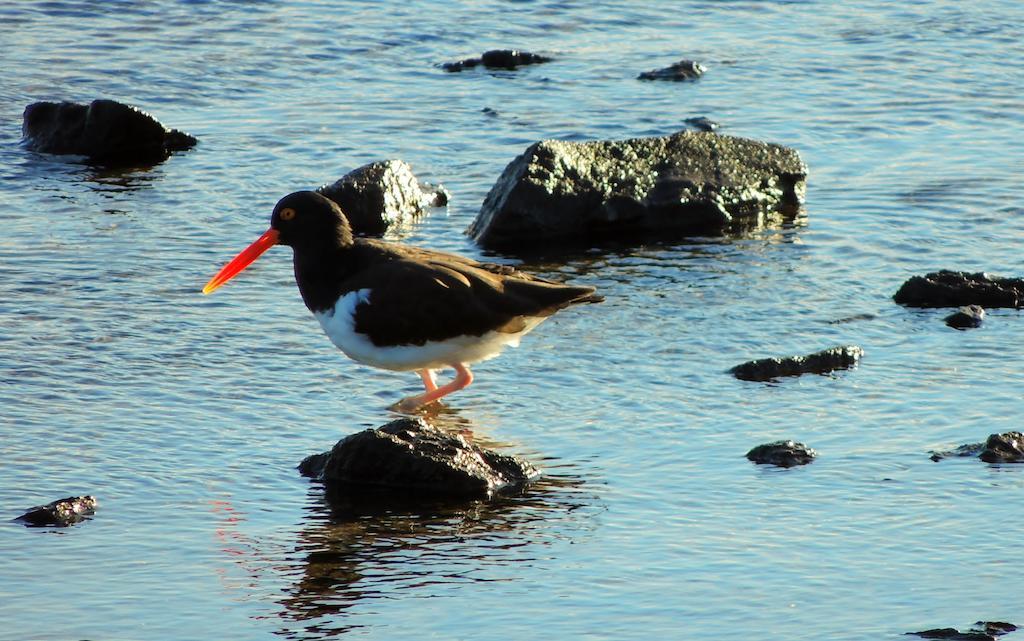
(305, 220)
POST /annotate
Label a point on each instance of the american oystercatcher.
(403, 308)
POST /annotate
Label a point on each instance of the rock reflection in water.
(357, 548)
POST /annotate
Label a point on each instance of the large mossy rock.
(691, 182)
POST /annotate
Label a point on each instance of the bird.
(404, 308)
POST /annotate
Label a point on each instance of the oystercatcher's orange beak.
(242, 260)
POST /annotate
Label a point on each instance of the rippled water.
(186, 414)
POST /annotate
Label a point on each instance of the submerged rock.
(105, 131)
(682, 70)
(782, 454)
(60, 513)
(410, 456)
(982, 631)
(381, 194)
(1007, 447)
(702, 123)
(498, 59)
(966, 317)
(947, 288)
(823, 362)
(690, 181)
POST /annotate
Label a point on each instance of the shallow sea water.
(186, 415)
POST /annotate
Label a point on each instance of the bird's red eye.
(287, 213)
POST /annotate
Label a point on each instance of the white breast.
(339, 325)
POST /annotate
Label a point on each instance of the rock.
(381, 194)
(954, 634)
(682, 70)
(952, 289)
(695, 182)
(61, 513)
(823, 362)
(967, 317)
(1007, 447)
(782, 453)
(702, 123)
(105, 131)
(410, 456)
(1003, 448)
(498, 59)
(983, 631)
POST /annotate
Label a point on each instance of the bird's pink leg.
(429, 377)
(463, 377)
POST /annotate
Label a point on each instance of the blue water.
(185, 415)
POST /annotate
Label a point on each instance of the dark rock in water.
(996, 627)
(983, 631)
(953, 289)
(967, 317)
(381, 194)
(105, 131)
(1003, 448)
(682, 70)
(61, 513)
(498, 59)
(693, 182)
(412, 457)
(782, 453)
(702, 124)
(954, 634)
(822, 362)
(997, 448)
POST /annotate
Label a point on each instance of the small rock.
(105, 131)
(498, 59)
(782, 453)
(60, 513)
(967, 317)
(690, 182)
(379, 195)
(952, 289)
(823, 362)
(1003, 448)
(682, 70)
(702, 124)
(954, 635)
(410, 456)
(1007, 447)
(996, 628)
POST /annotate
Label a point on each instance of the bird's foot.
(410, 405)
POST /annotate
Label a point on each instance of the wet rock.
(947, 288)
(782, 454)
(105, 131)
(966, 317)
(498, 59)
(682, 70)
(702, 124)
(1007, 447)
(60, 513)
(691, 182)
(410, 456)
(954, 634)
(823, 362)
(382, 194)
(1003, 448)
(982, 631)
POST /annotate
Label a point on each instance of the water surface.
(186, 414)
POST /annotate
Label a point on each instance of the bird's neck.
(320, 275)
